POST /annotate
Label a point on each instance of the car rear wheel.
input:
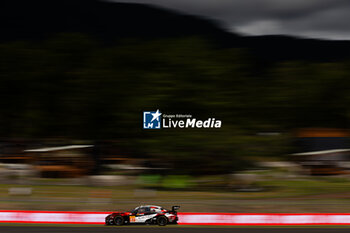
(119, 220)
(162, 220)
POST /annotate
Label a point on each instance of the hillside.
(107, 22)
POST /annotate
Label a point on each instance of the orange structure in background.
(321, 132)
(323, 151)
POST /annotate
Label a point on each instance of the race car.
(146, 214)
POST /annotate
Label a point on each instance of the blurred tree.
(72, 87)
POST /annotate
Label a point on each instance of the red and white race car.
(147, 214)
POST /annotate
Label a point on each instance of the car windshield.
(134, 210)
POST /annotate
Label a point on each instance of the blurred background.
(76, 76)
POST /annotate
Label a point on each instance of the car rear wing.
(175, 208)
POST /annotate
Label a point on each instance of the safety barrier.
(65, 217)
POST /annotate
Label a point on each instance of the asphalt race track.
(146, 229)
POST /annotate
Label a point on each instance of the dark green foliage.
(69, 86)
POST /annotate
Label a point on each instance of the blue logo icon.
(151, 120)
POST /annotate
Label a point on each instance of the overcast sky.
(311, 18)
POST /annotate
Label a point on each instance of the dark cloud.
(312, 18)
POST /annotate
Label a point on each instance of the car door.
(140, 216)
(143, 214)
(132, 217)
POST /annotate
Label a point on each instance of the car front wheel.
(119, 220)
